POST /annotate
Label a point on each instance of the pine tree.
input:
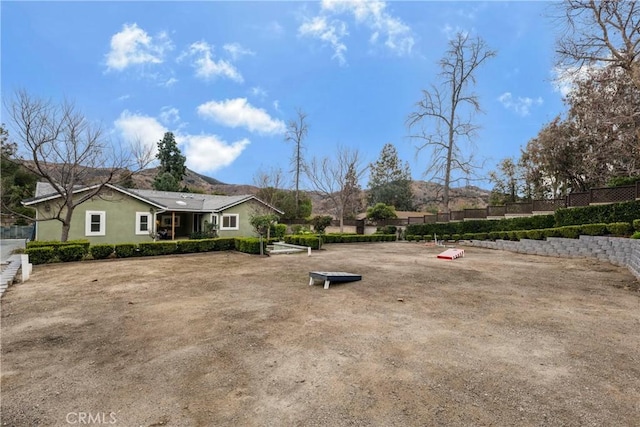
(352, 194)
(172, 165)
(390, 181)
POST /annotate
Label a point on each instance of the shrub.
(126, 250)
(535, 234)
(55, 245)
(157, 248)
(225, 244)
(456, 237)
(636, 235)
(616, 212)
(207, 245)
(69, 253)
(521, 234)
(249, 245)
(300, 229)
(188, 246)
(594, 229)
(40, 255)
(387, 229)
(636, 224)
(619, 228)
(101, 251)
(552, 232)
(570, 231)
(314, 242)
(278, 231)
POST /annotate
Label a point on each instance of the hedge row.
(41, 254)
(351, 238)
(616, 212)
(607, 214)
(481, 226)
(250, 245)
(315, 242)
(311, 240)
(621, 229)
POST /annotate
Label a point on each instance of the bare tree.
(604, 31)
(333, 178)
(438, 122)
(63, 148)
(297, 130)
(269, 184)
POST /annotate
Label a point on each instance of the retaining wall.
(616, 250)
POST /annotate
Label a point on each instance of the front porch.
(176, 225)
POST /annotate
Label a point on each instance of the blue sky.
(225, 77)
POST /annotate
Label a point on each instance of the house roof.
(166, 200)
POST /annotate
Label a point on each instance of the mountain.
(425, 194)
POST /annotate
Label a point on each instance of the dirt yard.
(228, 339)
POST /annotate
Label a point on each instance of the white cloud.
(329, 32)
(276, 105)
(135, 127)
(521, 106)
(208, 153)
(239, 113)
(398, 36)
(170, 82)
(274, 28)
(204, 152)
(133, 46)
(236, 50)
(258, 92)
(201, 54)
(169, 115)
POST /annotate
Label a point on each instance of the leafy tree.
(507, 181)
(596, 142)
(66, 150)
(297, 130)
(17, 182)
(172, 163)
(443, 109)
(380, 212)
(284, 200)
(390, 181)
(320, 223)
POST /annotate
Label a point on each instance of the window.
(95, 223)
(229, 222)
(143, 223)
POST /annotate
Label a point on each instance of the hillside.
(425, 193)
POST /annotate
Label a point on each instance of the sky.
(226, 77)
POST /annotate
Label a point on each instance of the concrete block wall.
(616, 250)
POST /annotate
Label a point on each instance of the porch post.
(173, 226)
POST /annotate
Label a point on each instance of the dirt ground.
(228, 339)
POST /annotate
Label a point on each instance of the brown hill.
(427, 196)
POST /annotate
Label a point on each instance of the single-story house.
(125, 215)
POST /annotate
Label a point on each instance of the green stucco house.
(124, 215)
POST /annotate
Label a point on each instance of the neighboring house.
(123, 215)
